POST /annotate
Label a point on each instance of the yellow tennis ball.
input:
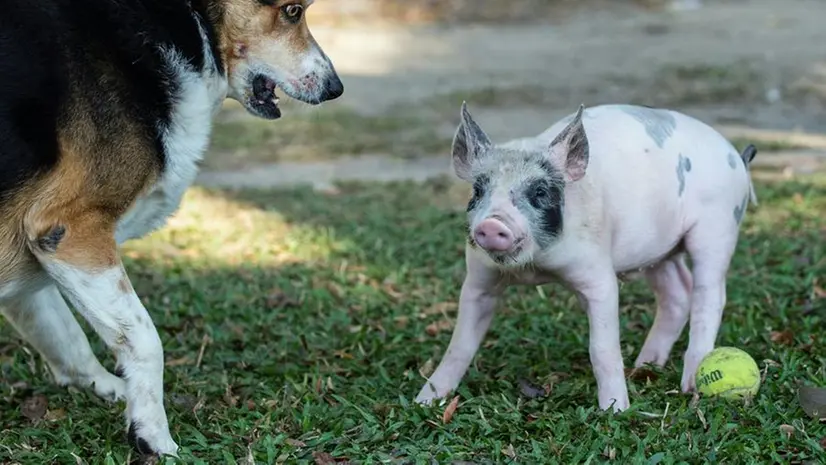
(728, 372)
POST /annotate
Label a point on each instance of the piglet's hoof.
(427, 395)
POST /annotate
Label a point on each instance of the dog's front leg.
(81, 257)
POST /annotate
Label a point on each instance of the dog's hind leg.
(75, 245)
(45, 321)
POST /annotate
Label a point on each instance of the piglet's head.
(518, 193)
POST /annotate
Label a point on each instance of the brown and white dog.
(105, 112)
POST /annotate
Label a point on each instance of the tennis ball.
(728, 372)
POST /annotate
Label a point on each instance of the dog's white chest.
(185, 140)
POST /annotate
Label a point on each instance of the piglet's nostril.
(493, 235)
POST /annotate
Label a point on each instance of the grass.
(296, 324)
(319, 135)
(767, 145)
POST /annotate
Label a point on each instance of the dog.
(105, 112)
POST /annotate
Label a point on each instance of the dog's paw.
(105, 385)
(109, 387)
(151, 441)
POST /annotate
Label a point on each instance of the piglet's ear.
(469, 143)
(569, 151)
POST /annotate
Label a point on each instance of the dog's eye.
(293, 12)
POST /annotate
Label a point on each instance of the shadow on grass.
(296, 323)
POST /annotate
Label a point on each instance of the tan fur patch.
(97, 178)
(263, 32)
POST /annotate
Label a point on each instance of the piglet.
(607, 192)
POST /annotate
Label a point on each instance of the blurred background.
(756, 69)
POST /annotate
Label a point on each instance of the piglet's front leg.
(477, 302)
(599, 294)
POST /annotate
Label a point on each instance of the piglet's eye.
(293, 12)
(539, 195)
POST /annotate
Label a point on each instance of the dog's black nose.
(333, 88)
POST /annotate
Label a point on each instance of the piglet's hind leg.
(711, 245)
(672, 283)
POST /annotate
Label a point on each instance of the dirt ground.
(754, 69)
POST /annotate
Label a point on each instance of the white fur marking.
(45, 321)
(126, 327)
(185, 141)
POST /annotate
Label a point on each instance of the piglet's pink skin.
(611, 190)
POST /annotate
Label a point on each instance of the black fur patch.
(138, 443)
(49, 241)
(548, 169)
(102, 54)
(480, 185)
(545, 195)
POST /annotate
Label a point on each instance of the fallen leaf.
(277, 299)
(323, 458)
(788, 430)
(435, 328)
(185, 360)
(295, 443)
(392, 292)
(798, 198)
(402, 321)
(427, 369)
(702, 418)
(510, 452)
(440, 308)
(807, 347)
(336, 290)
(34, 407)
(785, 338)
(230, 399)
(450, 410)
(819, 291)
(641, 374)
(823, 442)
(530, 391)
(343, 354)
(183, 401)
(610, 452)
(20, 385)
(813, 401)
(55, 415)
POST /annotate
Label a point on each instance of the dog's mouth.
(263, 101)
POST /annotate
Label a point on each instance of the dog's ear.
(469, 143)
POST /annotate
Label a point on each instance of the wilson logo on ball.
(710, 377)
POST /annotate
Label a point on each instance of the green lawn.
(297, 324)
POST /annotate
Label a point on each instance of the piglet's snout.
(493, 236)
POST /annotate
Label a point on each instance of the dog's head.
(267, 46)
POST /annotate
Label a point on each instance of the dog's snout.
(333, 88)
